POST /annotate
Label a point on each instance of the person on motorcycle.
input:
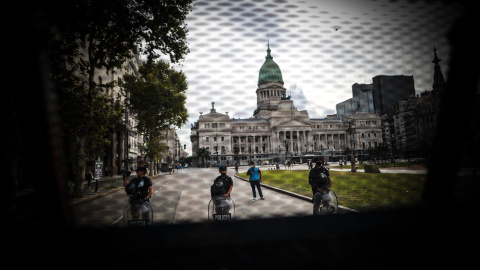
(319, 178)
(224, 182)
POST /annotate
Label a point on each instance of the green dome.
(269, 72)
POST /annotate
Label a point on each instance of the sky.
(322, 47)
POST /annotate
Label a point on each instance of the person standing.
(236, 167)
(255, 179)
(319, 179)
(89, 177)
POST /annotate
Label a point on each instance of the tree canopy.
(157, 99)
(203, 153)
(91, 35)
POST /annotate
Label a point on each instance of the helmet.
(321, 179)
(219, 184)
(223, 168)
(130, 188)
(222, 205)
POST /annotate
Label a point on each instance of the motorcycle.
(220, 208)
(324, 204)
(137, 213)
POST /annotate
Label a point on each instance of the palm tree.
(204, 154)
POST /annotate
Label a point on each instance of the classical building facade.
(127, 144)
(277, 131)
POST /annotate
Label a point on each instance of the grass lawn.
(360, 191)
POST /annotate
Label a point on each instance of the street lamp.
(216, 138)
(390, 135)
(126, 131)
(350, 128)
(179, 151)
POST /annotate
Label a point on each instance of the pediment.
(292, 123)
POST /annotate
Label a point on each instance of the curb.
(305, 198)
(94, 196)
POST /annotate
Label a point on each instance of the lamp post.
(279, 151)
(179, 155)
(126, 132)
(216, 138)
(350, 128)
(390, 144)
(174, 155)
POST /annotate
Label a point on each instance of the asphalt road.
(183, 197)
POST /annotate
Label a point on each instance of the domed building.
(277, 131)
(270, 89)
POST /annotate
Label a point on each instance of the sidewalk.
(105, 188)
(411, 169)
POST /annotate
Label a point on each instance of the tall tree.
(204, 154)
(157, 99)
(92, 35)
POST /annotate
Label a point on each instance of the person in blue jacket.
(255, 179)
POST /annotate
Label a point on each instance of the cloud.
(228, 43)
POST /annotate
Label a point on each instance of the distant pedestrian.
(255, 179)
(341, 163)
(88, 177)
(108, 172)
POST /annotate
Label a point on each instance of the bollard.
(96, 184)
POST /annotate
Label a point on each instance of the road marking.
(116, 221)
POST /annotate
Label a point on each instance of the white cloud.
(228, 43)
